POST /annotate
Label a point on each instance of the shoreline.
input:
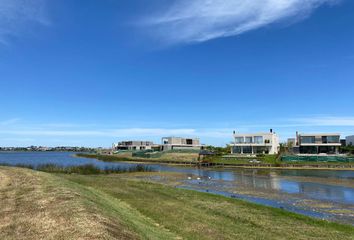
(335, 167)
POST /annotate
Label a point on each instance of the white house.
(255, 143)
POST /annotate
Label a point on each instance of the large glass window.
(326, 149)
(260, 150)
(236, 150)
(248, 139)
(333, 139)
(247, 149)
(308, 149)
(238, 139)
(258, 139)
(308, 139)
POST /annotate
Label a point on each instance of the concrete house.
(134, 145)
(178, 143)
(318, 143)
(255, 143)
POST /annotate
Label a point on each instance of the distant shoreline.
(297, 166)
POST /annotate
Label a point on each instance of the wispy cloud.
(325, 121)
(188, 21)
(9, 121)
(15, 15)
(93, 134)
(128, 132)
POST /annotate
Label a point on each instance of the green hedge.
(317, 159)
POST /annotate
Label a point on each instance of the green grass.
(37, 205)
(268, 159)
(194, 215)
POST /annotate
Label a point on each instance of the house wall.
(350, 140)
(268, 145)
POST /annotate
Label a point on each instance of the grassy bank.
(182, 158)
(38, 205)
(195, 215)
(69, 206)
(164, 157)
(266, 161)
(87, 169)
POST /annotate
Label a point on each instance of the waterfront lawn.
(195, 215)
(266, 159)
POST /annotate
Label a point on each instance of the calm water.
(281, 181)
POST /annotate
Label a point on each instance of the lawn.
(37, 205)
(268, 159)
(194, 215)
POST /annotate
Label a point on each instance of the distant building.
(134, 146)
(178, 143)
(319, 143)
(255, 143)
(350, 140)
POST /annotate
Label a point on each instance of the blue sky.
(89, 73)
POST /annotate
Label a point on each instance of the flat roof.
(318, 134)
(254, 134)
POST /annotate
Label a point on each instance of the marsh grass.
(88, 169)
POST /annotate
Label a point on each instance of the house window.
(333, 139)
(236, 150)
(308, 139)
(238, 139)
(308, 150)
(247, 149)
(189, 141)
(248, 139)
(258, 139)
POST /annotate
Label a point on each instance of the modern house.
(350, 140)
(134, 146)
(178, 143)
(255, 143)
(319, 143)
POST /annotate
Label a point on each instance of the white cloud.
(15, 15)
(326, 121)
(200, 20)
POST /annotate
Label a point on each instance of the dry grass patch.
(37, 205)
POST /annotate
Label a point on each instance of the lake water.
(295, 190)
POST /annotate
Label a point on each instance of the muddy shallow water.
(325, 194)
